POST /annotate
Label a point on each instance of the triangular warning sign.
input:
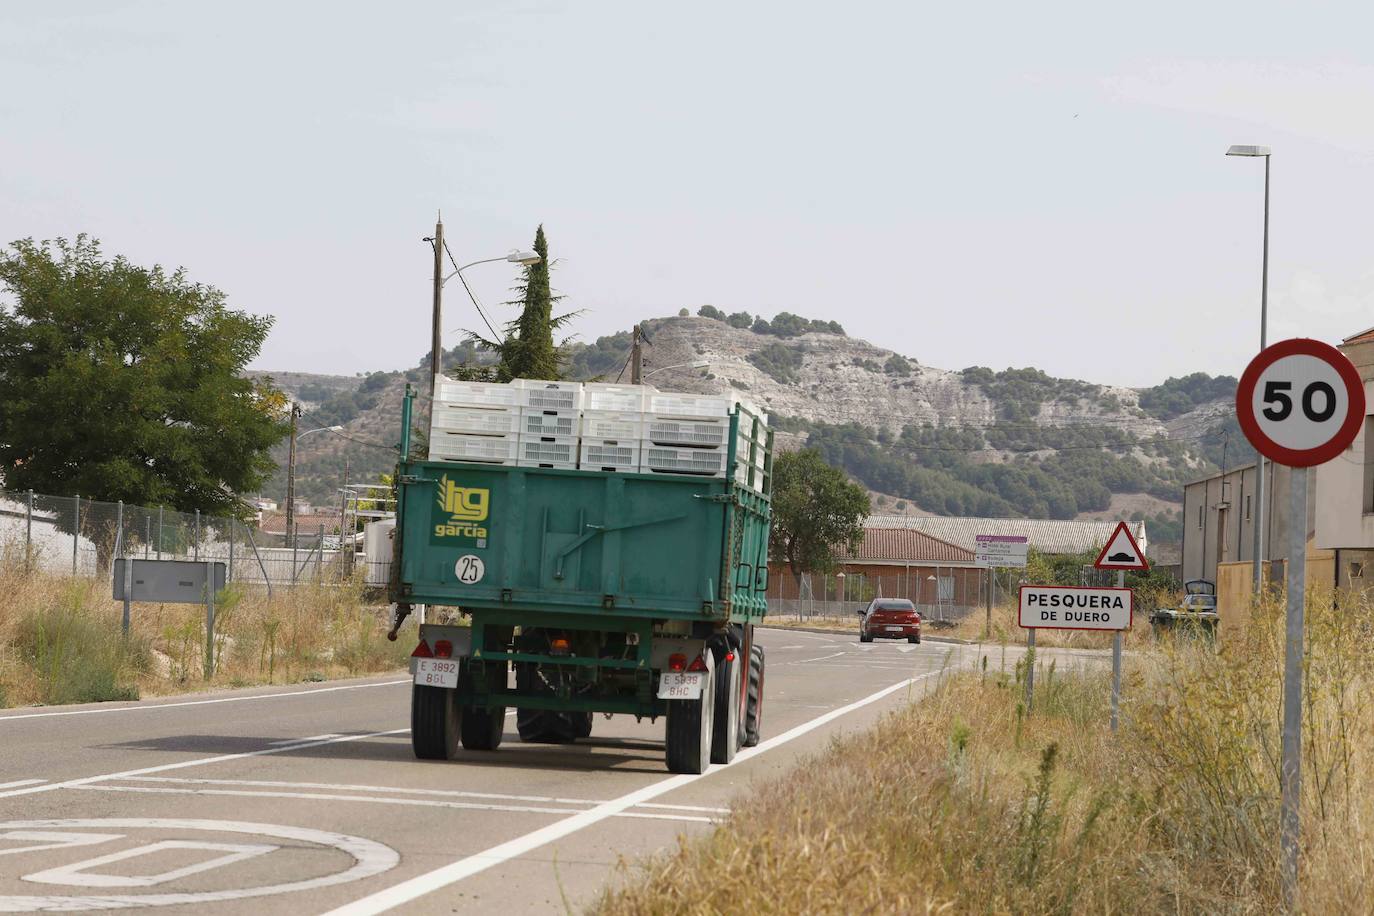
(1122, 552)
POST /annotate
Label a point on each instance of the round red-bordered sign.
(1297, 424)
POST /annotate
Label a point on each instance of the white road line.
(371, 799)
(199, 761)
(820, 659)
(311, 738)
(20, 782)
(400, 790)
(424, 884)
(149, 706)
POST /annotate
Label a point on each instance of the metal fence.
(939, 592)
(76, 536)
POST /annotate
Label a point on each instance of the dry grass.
(60, 640)
(963, 804)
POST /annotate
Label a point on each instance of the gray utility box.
(166, 581)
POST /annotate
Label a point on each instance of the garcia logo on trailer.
(461, 512)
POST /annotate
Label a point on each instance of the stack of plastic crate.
(751, 446)
(612, 427)
(474, 421)
(550, 423)
(685, 434)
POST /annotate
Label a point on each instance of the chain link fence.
(76, 536)
(944, 593)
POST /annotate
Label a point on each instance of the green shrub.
(80, 657)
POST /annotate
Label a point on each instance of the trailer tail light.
(443, 649)
(677, 662)
(559, 645)
(422, 651)
(730, 656)
(698, 664)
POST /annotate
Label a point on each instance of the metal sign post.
(1116, 661)
(172, 582)
(1300, 403)
(1121, 552)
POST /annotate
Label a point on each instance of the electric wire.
(495, 337)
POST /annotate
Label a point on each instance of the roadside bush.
(80, 657)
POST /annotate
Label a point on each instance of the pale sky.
(969, 184)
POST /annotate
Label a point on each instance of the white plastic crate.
(701, 432)
(668, 459)
(484, 421)
(539, 423)
(601, 424)
(475, 394)
(687, 405)
(548, 395)
(616, 398)
(742, 446)
(450, 446)
(547, 452)
(609, 455)
(742, 476)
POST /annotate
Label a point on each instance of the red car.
(890, 618)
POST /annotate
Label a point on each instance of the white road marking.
(324, 737)
(370, 859)
(144, 707)
(370, 799)
(76, 873)
(820, 659)
(424, 884)
(199, 761)
(20, 782)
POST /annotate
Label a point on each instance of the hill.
(970, 441)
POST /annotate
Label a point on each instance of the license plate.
(895, 629)
(436, 672)
(681, 685)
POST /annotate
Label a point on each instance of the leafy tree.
(127, 383)
(710, 311)
(740, 320)
(816, 511)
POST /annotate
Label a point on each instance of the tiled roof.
(904, 545)
(1045, 535)
(275, 523)
(1360, 337)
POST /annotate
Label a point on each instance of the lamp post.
(1260, 151)
(291, 470)
(698, 364)
(436, 351)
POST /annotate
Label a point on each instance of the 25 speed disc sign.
(1300, 402)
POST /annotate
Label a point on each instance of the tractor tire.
(753, 706)
(689, 732)
(433, 722)
(725, 741)
(544, 726)
(482, 727)
(582, 724)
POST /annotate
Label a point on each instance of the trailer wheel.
(433, 722)
(753, 709)
(481, 727)
(689, 732)
(725, 730)
(582, 724)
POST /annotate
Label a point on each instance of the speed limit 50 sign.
(1300, 402)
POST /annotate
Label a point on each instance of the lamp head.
(1242, 150)
(524, 257)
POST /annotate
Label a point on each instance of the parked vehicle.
(890, 618)
(1196, 612)
(600, 590)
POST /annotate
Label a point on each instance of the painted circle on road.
(369, 858)
(1300, 402)
(469, 569)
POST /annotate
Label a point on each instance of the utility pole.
(636, 358)
(436, 346)
(345, 559)
(291, 474)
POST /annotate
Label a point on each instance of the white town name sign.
(1062, 607)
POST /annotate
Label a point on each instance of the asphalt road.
(306, 799)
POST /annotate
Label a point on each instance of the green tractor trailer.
(586, 591)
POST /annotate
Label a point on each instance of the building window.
(1369, 465)
(1247, 508)
(1199, 516)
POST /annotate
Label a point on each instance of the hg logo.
(466, 508)
(465, 504)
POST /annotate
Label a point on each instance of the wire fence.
(939, 592)
(74, 535)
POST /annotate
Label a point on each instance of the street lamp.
(291, 470)
(698, 364)
(1258, 151)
